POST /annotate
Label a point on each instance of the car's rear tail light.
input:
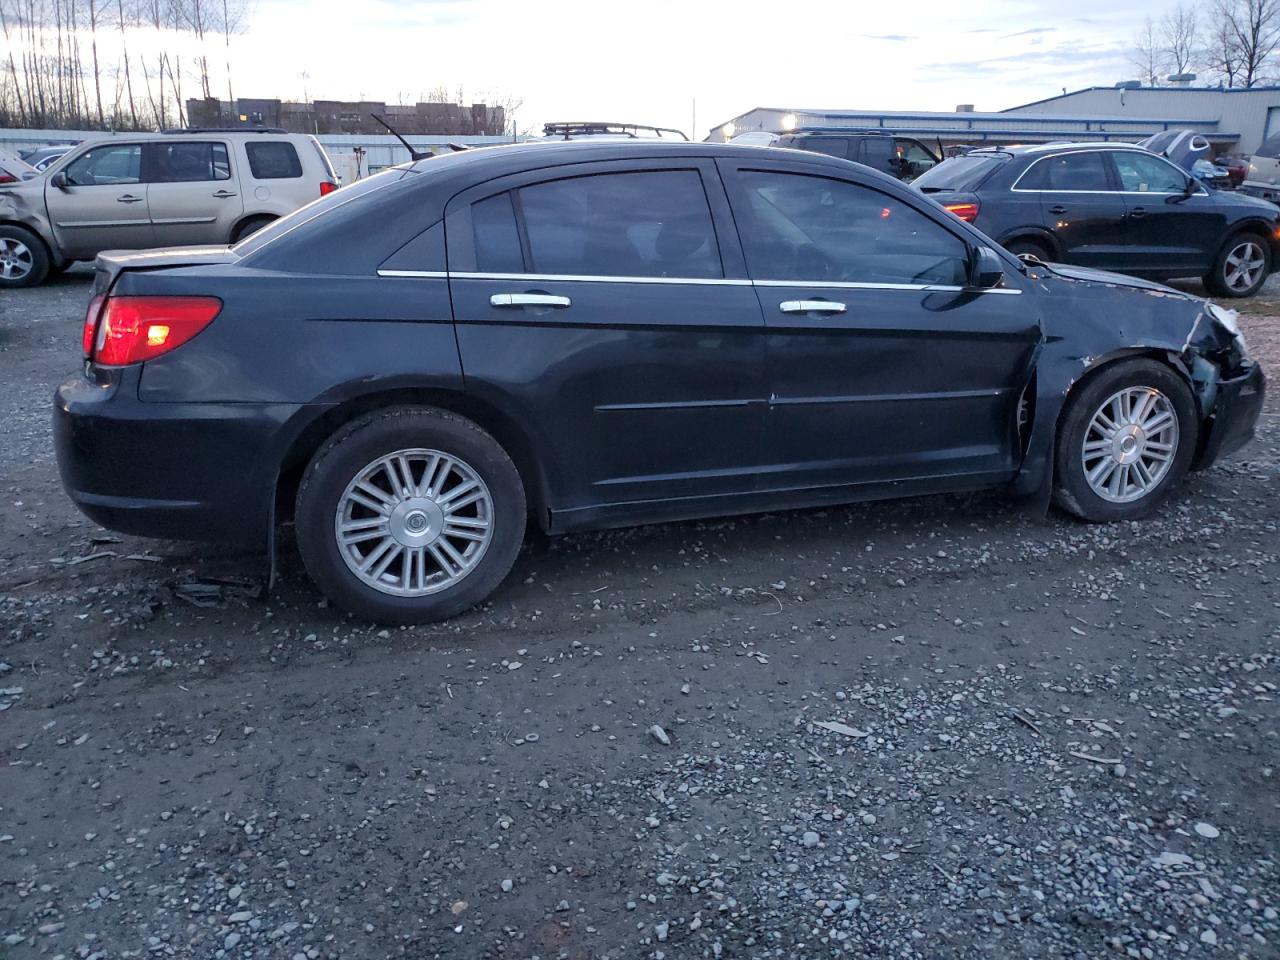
(327, 187)
(7, 177)
(134, 329)
(91, 324)
(968, 212)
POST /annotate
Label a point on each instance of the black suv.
(902, 157)
(1112, 206)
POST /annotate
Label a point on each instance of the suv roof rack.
(180, 130)
(581, 128)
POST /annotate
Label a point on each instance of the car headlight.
(1229, 320)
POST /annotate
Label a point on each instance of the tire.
(1037, 249)
(408, 530)
(24, 259)
(1229, 277)
(249, 227)
(1114, 494)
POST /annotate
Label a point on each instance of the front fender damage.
(1091, 324)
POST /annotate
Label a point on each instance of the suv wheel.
(1242, 267)
(249, 227)
(1033, 247)
(409, 515)
(24, 262)
(1126, 441)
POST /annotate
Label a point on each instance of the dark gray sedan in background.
(589, 334)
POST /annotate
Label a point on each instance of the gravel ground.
(929, 728)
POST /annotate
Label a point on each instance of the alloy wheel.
(1244, 264)
(1130, 444)
(414, 522)
(16, 259)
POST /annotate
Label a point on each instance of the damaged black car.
(590, 334)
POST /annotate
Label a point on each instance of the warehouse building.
(1232, 120)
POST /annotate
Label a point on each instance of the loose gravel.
(930, 728)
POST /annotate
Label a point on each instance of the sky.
(648, 62)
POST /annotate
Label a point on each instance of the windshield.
(960, 173)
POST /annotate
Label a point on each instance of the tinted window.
(1070, 171)
(493, 223)
(273, 160)
(186, 162)
(876, 152)
(804, 228)
(960, 173)
(651, 224)
(1143, 173)
(423, 252)
(831, 146)
(1270, 148)
(103, 166)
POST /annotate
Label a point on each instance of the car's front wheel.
(1126, 441)
(1242, 267)
(410, 515)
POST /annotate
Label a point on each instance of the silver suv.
(133, 191)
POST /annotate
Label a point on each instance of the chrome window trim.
(1200, 190)
(682, 281)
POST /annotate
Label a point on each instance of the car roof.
(530, 155)
(1064, 146)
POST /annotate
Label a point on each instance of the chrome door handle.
(128, 198)
(811, 306)
(529, 300)
(224, 194)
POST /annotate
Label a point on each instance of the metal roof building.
(1241, 118)
(1230, 119)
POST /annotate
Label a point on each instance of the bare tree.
(1178, 33)
(1146, 54)
(1222, 52)
(1255, 31)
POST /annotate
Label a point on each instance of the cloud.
(895, 37)
(1027, 33)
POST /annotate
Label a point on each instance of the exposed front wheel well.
(501, 427)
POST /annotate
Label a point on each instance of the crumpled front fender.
(1090, 323)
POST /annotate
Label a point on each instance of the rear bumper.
(1235, 415)
(170, 470)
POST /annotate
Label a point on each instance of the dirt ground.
(1041, 738)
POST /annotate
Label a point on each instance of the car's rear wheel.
(410, 515)
(1242, 267)
(250, 227)
(1126, 442)
(24, 262)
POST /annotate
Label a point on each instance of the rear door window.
(960, 173)
(497, 237)
(273, 160)
(1076, 172)
(876, 152)
(188, 161)
(636, 224)
(831, 146)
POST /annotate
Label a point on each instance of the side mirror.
(59, 180)
(1190, 187)
(987, 270)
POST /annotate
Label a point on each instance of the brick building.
(349, 116)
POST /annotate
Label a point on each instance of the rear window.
(277, 228)
(273, 160)
(959, 173)
(1270, 149)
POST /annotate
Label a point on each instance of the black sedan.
(588, 334)
(1112, 206)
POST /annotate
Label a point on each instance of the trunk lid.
(111, 263)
